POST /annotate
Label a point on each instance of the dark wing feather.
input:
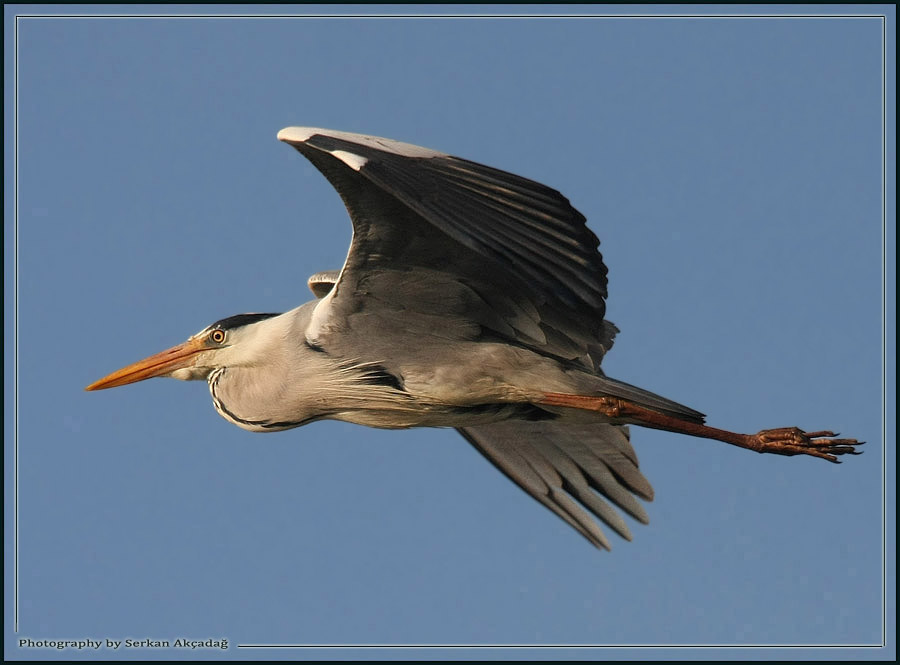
(571, 469)
(524, 265)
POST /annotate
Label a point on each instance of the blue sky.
(732, 169)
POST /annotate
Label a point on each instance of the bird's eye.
(218, 336)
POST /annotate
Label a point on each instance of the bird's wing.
(468, 249)
(322, 282)
(571, 469)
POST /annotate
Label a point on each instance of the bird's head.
(221, 344)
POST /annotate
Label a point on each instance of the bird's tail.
(591, 386)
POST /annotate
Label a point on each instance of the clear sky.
(732, 169)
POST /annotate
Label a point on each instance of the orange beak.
(160, 364)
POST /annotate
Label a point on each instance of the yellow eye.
(218, 336)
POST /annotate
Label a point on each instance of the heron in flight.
(470, 298)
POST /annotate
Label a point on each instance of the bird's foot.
(794, 441)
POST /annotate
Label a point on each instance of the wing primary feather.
(548, 233)
(564, 467)
(394, 179)
(573, 481)
(558, 498)
(564, 261)
(529, 261)
(514, 183)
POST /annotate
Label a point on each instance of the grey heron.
(470, 298)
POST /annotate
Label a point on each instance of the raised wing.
(571, 469)
(468, 249)
(322, 282)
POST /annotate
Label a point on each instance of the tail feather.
(608, 387)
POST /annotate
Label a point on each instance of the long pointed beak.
(159, 364)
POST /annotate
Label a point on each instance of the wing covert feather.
(522, 254)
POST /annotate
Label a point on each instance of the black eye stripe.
(239, 320)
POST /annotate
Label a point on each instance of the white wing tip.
(299, 134)
(303, 134)
(355, 162)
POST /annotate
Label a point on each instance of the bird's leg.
(781, 441)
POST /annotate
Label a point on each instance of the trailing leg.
(781, 441)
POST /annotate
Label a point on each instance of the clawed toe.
(794, 441)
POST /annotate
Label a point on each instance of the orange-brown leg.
(781, 441)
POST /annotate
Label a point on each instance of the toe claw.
(794, 441)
